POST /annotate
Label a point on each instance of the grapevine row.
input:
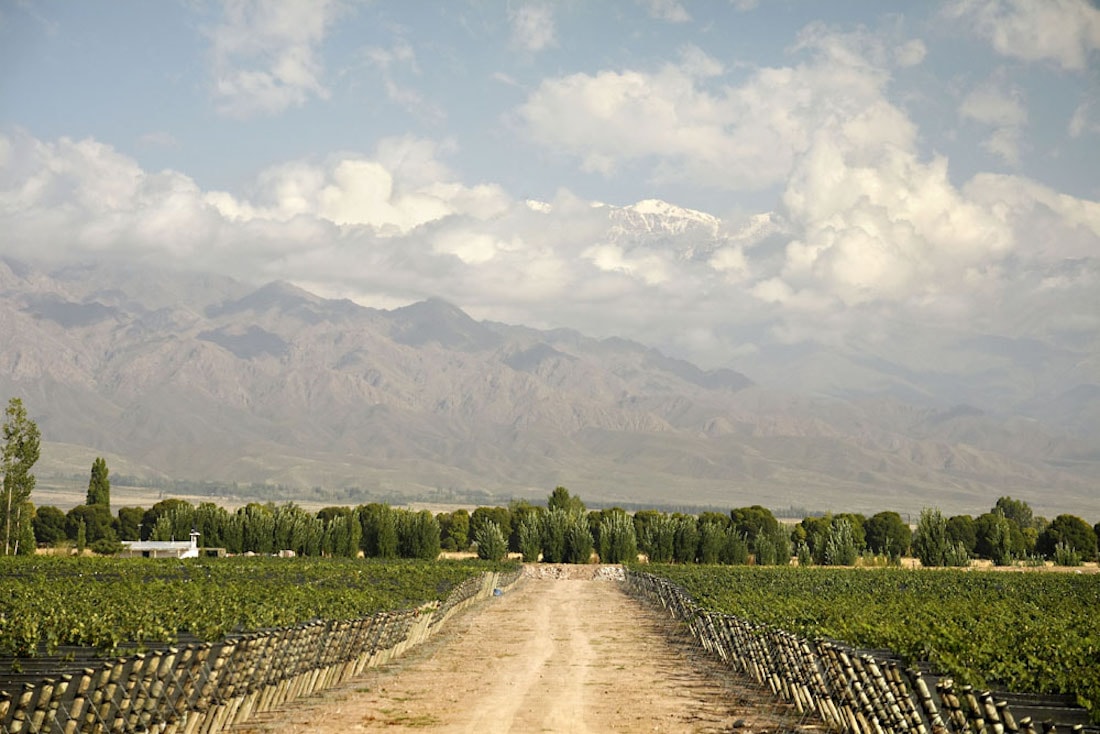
(118, 604)
(209, 687)
(1034, 632)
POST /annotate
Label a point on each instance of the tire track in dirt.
(550, 655)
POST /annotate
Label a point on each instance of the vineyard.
(274, 631)
(126, 604)
(1038, 633)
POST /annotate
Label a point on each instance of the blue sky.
(869, 166)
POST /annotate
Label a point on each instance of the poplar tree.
(20, 452)
(99, 486)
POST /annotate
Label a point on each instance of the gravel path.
(556, 653)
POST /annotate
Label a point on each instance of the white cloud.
(994, 106)
(1003, 109)
(1084, 120)
(650, 268)
(868, 233)
(388, 61)
(264, 54)
(533, 27)
(687, 126)
(85, 197)
(910, 53)
(402, 187)
(1049, 227)
(884, 228)
(1065, 32)
(671, 11)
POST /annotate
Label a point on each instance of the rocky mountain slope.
(200, 377)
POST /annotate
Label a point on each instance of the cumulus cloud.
(863, 235)
(883, 228)
(84, 195)
(401, 187)
(1063, 32)
(686, 125)
(264, 54)
(533, 27)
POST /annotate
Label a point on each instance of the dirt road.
(550, 655)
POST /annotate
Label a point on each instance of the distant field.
(1030, 632)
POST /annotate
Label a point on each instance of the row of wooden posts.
(851, 692)
(199, 689)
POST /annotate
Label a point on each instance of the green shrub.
(618, 542)
(735, 552)
(1066, 555)
(106, 547)
(578, 541)
(530, 537)
(491, 545)
(840, 546)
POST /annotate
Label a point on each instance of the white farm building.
(161, 548)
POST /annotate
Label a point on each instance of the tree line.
(562, 531)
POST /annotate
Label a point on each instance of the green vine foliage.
(115, 604)
(1030, 632)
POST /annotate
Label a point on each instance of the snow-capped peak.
(653, 217)
(658, 208)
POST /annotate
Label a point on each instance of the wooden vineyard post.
(887, 705)
(245, 669)
(182, 695)
(95, 698)
(156, 708)
(40, 700)
(977, 718)
(382, 623)
(903, 696)
(20, 711)
(53, 707)
(840, 682)
(868, 704)
(992, 715)
(280, 688)
(927, 703)
(108, 690)
(127, 691)
(283, 671)
(798, 668)
(956, 716)
(819, 690)
(1006, 717)
(203, 703)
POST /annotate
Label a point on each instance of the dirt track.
(550, 655)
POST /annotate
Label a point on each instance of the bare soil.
(565, 650)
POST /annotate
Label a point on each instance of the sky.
(853, 172)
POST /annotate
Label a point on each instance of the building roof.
(159, 545)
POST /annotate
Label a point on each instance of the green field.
(110, 603)
(1028, 632)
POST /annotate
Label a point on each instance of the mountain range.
(181, 375)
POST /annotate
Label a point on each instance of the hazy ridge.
(200, 377)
